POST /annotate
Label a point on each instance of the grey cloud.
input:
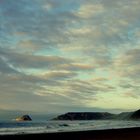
(17, 91)
(131, 94)
(26, 61)
(102, 61)
(5, 68)
(15, 85)
(73, 90)
(54, 24)
(76, 67)
(128, 64)
(33, 27)
(38, 24)
(127, 86)
(130, 57)
(87, 88)
(21, 86)
(22, 60)
(133, 73)
(114, 23)
(59, 75)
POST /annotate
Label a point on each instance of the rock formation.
(24, 118)
(136, 115)
(84, 116)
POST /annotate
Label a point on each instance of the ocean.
(13, 127)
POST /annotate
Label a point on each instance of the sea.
(13, 127)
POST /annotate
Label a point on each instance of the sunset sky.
(69, 55)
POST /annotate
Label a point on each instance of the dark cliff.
(84, 116)
(99, 116)
(135, 115)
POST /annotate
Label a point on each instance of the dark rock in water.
(136, 115)
(24, 118)
(65, 125)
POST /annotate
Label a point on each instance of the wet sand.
(111, 134)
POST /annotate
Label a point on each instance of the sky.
(69, 55)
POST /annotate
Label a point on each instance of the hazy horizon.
(68, 55)
(37, 112)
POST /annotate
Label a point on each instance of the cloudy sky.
(66, 55)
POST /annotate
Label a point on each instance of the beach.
(110, 134)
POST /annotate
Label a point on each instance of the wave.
(61, 126)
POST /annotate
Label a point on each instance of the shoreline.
(108, 134)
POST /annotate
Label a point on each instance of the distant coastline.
(135, 115)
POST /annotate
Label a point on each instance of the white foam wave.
(63, 126)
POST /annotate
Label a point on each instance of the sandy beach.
(111, 134)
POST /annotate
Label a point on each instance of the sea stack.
(24, 118)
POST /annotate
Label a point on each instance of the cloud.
(28, 46)
(36, 23)
(22, 60)
(127, 86)
(69, 52)
(131, 94)
(87, 88)
(75, 67)
(14, 91)
(59, 75)
(130, 58)
(89, 10)
(5, 67)
(113, 28)
(128, 63)
(102, 61)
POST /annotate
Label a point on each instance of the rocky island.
(24, 118)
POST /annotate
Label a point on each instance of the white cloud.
(89, 10)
